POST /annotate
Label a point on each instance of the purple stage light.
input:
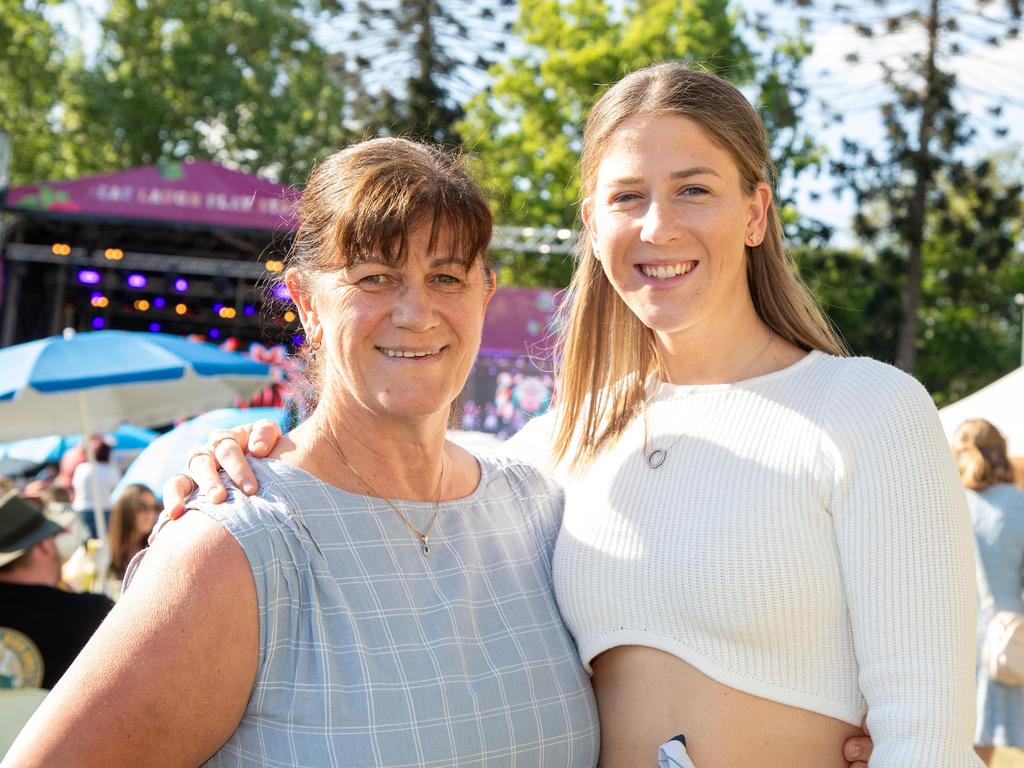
(181, 285)
(95, 295)
(249, 310)
(217, 307)
(159, 302)
(281, 292)
(98, 323)
(154, 327)
(214, 333)
(298, 340)
(136, 281)
(88, 277)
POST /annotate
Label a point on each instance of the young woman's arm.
(904, 539)
(166, 678)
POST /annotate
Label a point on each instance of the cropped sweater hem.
(596, 645)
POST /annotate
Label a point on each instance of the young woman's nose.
(660, 223)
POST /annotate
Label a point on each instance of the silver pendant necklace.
(657, 456)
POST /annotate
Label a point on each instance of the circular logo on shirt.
(21, 663)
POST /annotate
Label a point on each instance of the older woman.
(749, 552)
(386, 599)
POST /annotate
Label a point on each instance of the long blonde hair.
(980, 451)
(605, 353)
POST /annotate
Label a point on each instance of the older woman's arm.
(166, 678)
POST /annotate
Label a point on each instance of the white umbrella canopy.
(91, 382)
(1001, 403)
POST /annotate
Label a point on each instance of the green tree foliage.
(973, 266)
(34, 67)
(238, 81)
(411, 65)
(526, 127)
(925, 136)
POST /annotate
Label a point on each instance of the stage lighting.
(88, 277)
(113, 254)
(281, 292)
(142, 305)
(180, 309)
(249, 310)
(227, 312)
(289, 316)
(61, 249)
(98, 323)
(154, 327)
(214, 333)
(181, 285)
(136, 281)
(159, 302)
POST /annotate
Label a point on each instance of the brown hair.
(362, 203)
(125, 539)
(980, 451)
(605, 352)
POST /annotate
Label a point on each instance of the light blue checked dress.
(373, 655)
(998, 517)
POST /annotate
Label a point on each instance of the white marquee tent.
(1001, 402)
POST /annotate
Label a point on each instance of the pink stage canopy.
(520, 322)
(194, 192)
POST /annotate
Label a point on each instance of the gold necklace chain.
(657, 456)
(424, 536)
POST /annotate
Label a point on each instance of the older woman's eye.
(372, 281)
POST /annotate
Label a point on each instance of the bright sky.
(989, 75)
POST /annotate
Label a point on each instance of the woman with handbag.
(997, 511)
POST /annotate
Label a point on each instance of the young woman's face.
(400, 340)
(670, 221)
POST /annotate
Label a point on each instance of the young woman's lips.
(665, 275)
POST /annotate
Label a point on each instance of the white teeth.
(404, 353)
(666, 271)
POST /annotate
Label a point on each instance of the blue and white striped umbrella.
(92, 382)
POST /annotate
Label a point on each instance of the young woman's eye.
(625, 197)
(693, 191)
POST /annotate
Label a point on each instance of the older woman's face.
(400, 340)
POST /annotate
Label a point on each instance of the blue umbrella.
(165, 456)
(107, 377)
(41, 450)
(91, 382)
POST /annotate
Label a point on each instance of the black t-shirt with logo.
(59, 623)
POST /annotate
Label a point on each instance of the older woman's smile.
(412, 353)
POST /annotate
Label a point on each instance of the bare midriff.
(646, 696)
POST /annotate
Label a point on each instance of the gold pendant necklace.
(424, 536)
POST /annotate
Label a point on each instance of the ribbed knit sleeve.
(904, 541)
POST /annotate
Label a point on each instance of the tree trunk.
(906, 352)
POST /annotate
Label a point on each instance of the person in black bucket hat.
(58, 623)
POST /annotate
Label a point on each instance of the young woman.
(131, 522)
(997, 511)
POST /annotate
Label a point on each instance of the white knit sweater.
(807, 542)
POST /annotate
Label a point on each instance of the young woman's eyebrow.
(685, 173)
